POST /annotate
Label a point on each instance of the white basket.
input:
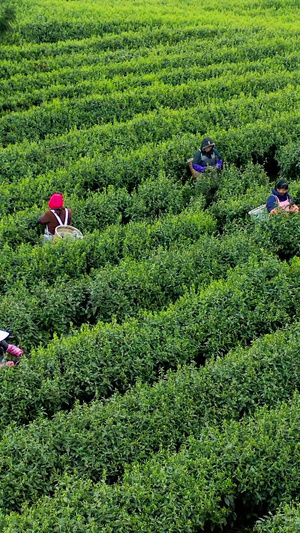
(67, 231)
(259, 213)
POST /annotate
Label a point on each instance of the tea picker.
(278, 202)
(10, 349)
(57, 220)
(206, 156)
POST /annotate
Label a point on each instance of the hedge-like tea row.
(128, 170)
(41, 86)
(155, 31)
(114, 48)
(154, 198)
(32, 159)
(14, 228)
(61, 115)
(93, 363)
(253, 81)
(254, 463)
(286, 520)
(136, 239)
(62, 30)
(235, 46)
(34, 314)
(148, 36)
(93, 210)
(104, 437)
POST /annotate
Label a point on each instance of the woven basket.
(61, 232)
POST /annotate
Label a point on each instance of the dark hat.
(207, 142)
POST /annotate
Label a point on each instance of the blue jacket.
(271, 201)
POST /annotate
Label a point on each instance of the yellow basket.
(61, 232)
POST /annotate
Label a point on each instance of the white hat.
(3, 335)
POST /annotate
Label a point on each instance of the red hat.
(56, 201)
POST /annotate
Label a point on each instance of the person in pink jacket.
(6, 348)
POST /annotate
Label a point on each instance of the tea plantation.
(160, 387)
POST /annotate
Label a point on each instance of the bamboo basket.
(61, 232)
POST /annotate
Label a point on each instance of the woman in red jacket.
(57, 215)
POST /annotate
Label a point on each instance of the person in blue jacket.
(206, 156)
(280, 200)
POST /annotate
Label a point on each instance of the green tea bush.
(100, 210)
(286, 520)
(119, 292)
(252, 463)
(104, 437)
(157, 196)
(20, 227)
(94, 363)
(58, 116)
(289, 160)
(70, 259)
(280, 234)
(239, 191)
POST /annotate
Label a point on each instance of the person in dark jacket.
(11, 349)
(280, 199)
(57, 215)
(206, 156)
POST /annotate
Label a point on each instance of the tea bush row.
(129, 171)
(94, 363)
(60, 115)
(154, 198)
(147, 29)
(111, 47)
(233, 46)
(73, 258)
(148, 161)
(91, 149)
(93, 210)
(253, 81)
(168, 68)
(35, 313)
(254, 463)
(104, 437)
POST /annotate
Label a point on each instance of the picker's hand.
(199, 168)
(219, 164)
(295, 209)
(7, 363)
